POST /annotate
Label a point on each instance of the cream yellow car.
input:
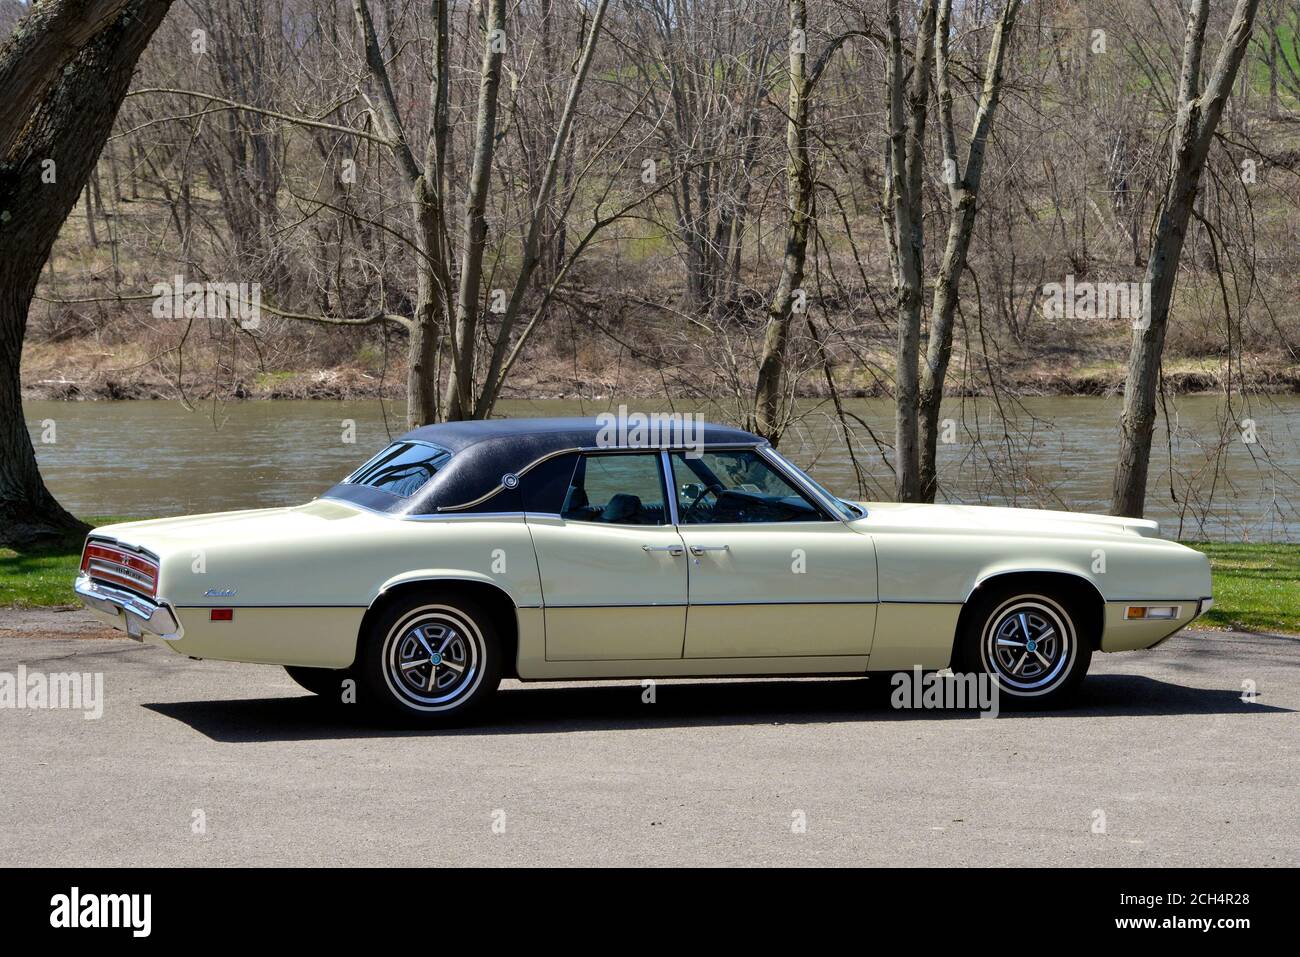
(544, 549)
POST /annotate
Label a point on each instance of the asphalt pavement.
(1185, 755)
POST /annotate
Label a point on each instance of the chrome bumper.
(138, 614)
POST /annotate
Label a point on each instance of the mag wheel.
(1029, 643)
(431, 660)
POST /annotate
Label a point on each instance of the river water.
(153, 458)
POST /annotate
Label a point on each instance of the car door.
(770, 573)
(612, 565)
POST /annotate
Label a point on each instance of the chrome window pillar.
(670, 486)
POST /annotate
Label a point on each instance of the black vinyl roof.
(485, 451)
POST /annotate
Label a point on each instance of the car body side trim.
(237, 606)
(713, 604)
(921, 601)
(640, 604)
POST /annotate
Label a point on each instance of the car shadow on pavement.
(550, 710)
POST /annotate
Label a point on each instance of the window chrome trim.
(588, 450)
(786, 470)
(665, 489)
(670, 486)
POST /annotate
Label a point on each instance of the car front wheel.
(430, 660)
(1029, 642)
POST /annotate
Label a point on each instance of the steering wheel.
(700, 509)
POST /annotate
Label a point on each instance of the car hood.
(1011, 521)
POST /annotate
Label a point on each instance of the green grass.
(42, 578)
(1256, 586)
(267, 380)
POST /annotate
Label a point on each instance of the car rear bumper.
(127, 611)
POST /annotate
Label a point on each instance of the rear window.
(401, 469)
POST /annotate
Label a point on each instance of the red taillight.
(222, 614)
(117, 566)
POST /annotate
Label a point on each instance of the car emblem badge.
(219, 593)
(1031, 645)
(435, 659)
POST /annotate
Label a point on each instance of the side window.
(543, 488)
(736, 486)
(616, 490)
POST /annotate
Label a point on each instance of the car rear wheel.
(1029, 642)
(430, 660)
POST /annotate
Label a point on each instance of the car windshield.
(401, 469)
(846, 509)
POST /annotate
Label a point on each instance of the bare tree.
(770, 418)
(460, 395)
(963, 192)
(426, 190)
(707, 71)
(908, 93)
(537, 223)
(1199, 109)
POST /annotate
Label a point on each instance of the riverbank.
(1256, 585)
(88, 370)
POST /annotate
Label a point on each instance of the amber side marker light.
(1141, 612)
(222, 614)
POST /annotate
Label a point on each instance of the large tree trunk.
(1198, 115)
(908, 105)
(963, 190)
(41, 43)
(431, 283)
(67, 119)
(769, 416)
(460, 396)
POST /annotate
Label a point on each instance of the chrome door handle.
(670, 549)
(701, 549)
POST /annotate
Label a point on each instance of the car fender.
(432, 575)
(1038, 566)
